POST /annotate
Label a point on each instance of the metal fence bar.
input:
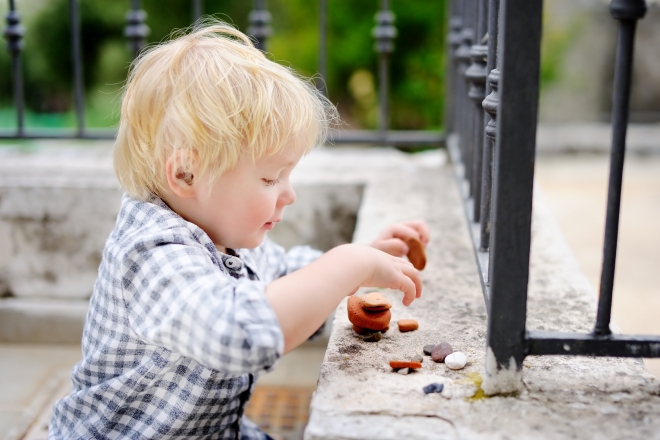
(79, 96)
(476, 75)
(14, 35)
(259, 19)
(627, 12)
(136, 31)
(490, 107)
(384, 33)
(543, 343)
(520, 39)
(453, 41)
(323, 46)
(197, 10)
(464, 105)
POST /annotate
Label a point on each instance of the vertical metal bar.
(197, 10)
(456, 26)
(476, 76)
(463, 58)
(259, 19)
(384, 33)
(490, 112)
(323, 46)
(14, 35)
(627, 12)
(136, 31)
(513, 178)
(79, 98)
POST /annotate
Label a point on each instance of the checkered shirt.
(175, 334)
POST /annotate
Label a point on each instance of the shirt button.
(233, 263)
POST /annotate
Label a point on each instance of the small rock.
(405, 364)
(363, 320)
(433, 388)
(407, 325)
(417, 358)
(375, 299)
(441, 351)
(428, 349)
(404, 371)
(416, 253)
(374, 337)
(456, 360)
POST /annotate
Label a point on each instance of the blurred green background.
(417, 65)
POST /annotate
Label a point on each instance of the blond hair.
(211, 93)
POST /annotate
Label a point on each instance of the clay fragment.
(428, 349)
(369, 321)
(416, 253)
(375, 299)
(433, 388)
(441, 351)
(405, 364)
(407, 325)
(361, 330)
(373, 337)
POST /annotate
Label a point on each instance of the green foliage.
(416, 70)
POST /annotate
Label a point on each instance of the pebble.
(404, 371)
(405, 364)
(433, 388)
(374, 337)
(417, 358)
(428, 349)
(456, 360)
(375, 299)
(407, 325)
(363, 320)
(441, 351)
(416, 253)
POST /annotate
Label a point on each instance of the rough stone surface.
(562, 397)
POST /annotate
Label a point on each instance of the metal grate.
(282, 412)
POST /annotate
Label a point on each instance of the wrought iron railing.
(136, 32)
(495, 48)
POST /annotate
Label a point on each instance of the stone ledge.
(359, 397)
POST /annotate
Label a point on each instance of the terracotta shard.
(371, 321)
(407, 325)
(375, 300)
(416, 253)
(405, 364)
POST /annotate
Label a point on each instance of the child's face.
(246, 202)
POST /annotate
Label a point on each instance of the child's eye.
(271, 182)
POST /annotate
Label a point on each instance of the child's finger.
(393, 246)
(414, 282)
(422, 229)
(403, 231)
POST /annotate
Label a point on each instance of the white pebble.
(404, 371)
(456, 360)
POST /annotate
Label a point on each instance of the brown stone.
(376, 321)
(407, 325)
(375, 300)
(416, 253)
(377, 309)
(405, 364)
(360, 330)
(441, 351)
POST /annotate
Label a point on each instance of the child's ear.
(180, 172)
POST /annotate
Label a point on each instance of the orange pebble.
(407, 325)
(405, 364)
(416, 253)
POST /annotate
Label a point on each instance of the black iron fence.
(492, 118)
(136, 32)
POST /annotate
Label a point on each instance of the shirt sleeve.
(177, 298)
(274, 262)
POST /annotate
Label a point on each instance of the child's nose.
(288, 196)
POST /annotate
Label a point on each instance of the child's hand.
(390, 272)
(391, 240)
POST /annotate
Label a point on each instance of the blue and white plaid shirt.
(175, 334)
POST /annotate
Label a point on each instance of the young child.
(192, 301)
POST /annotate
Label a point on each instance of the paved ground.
(576, 188)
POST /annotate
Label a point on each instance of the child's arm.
(303, 299)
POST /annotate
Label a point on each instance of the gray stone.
(404, 371)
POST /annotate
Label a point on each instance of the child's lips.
(270, 225)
